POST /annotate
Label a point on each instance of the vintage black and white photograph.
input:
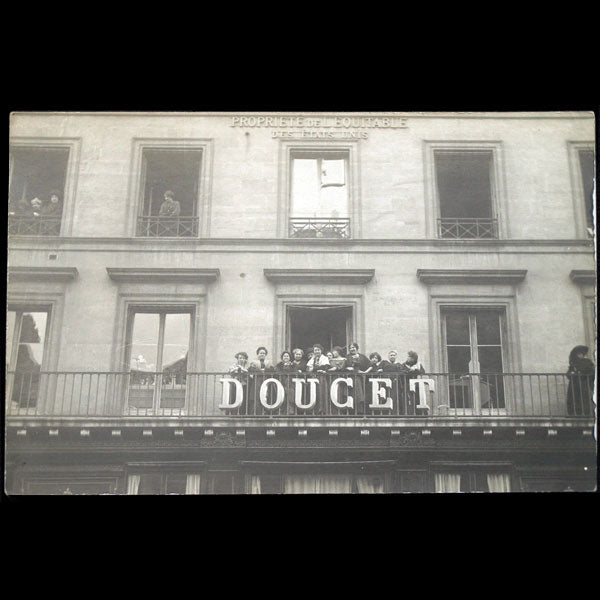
(235, 303)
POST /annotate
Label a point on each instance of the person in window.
(52, 208)
(392, 357)
(35, 207)
(258, 370)
(170, 207)
(581, 382)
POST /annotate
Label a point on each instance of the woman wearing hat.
(581, 382)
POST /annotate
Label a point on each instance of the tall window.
(587, 167)
(170, 190)
(473, 341)
(302, 483)
(464, 186)
(472, 480)
(319, 195)
(36, 192)
(158, 354)
(25, 342)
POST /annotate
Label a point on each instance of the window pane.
(176, 342)
(150, 483)
(488, 327)
(586, 162)
(11, 319)
(464, 187)
(270, 484)
(144, 342)
(319, 187)
(176, 483)
(457, 328)
(222, 483)
(458, 359)
(490, 359)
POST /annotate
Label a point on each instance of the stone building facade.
(467, 238)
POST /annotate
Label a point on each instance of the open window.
(326, 325)
(169, 190)
(469, 479)
(464, 181)
(36, 191)
(26, 333)
(157, 350)
(319, 200)
(319, 483)
(149, 482)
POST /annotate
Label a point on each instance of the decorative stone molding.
(156, 275)
(54, 274)
(320, 276)
(471, 276)
(583, 276)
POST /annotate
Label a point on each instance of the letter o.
(263, 393)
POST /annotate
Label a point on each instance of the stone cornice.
(33, 274)
(155, 275)
(320, 276)
(471, 276)
(583, 276)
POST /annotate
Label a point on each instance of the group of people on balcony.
(326, 366)
(50, 206)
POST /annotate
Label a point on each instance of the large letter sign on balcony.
(334, 393)
(263, 393)
(239, 394)
(377, 393)
(421, 383)
(312, 400)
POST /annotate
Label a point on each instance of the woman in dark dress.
(259, 371)
(581, 382)
(285, 370)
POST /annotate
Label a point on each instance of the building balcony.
(167, 227)
(288, 397)
(319, 228)
(467, 229)
(30, 225)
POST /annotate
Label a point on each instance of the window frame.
(73, 145)
(162, 310)
(497, 184)
(472, 469)
(577, 188)
(137, 180)
(287, 150)
(164, 470)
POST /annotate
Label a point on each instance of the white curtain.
(255, 485)
(498, 482)
(192, 484)
(317, 484)
(369, 485)
(133, 484)
(447, 483)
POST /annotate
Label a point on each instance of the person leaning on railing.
(318, 364)
(239, 370)
(258, 370)
(170, 207)
(413, 368)
(581, 382)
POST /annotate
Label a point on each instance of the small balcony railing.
(432, 396)
(468, 229)
(167, 226)
(319, 228)
(27, 225)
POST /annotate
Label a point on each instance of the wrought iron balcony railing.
(294, 395)
(319, 228)
(26, 225)
(167, 226)
(471, 229)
